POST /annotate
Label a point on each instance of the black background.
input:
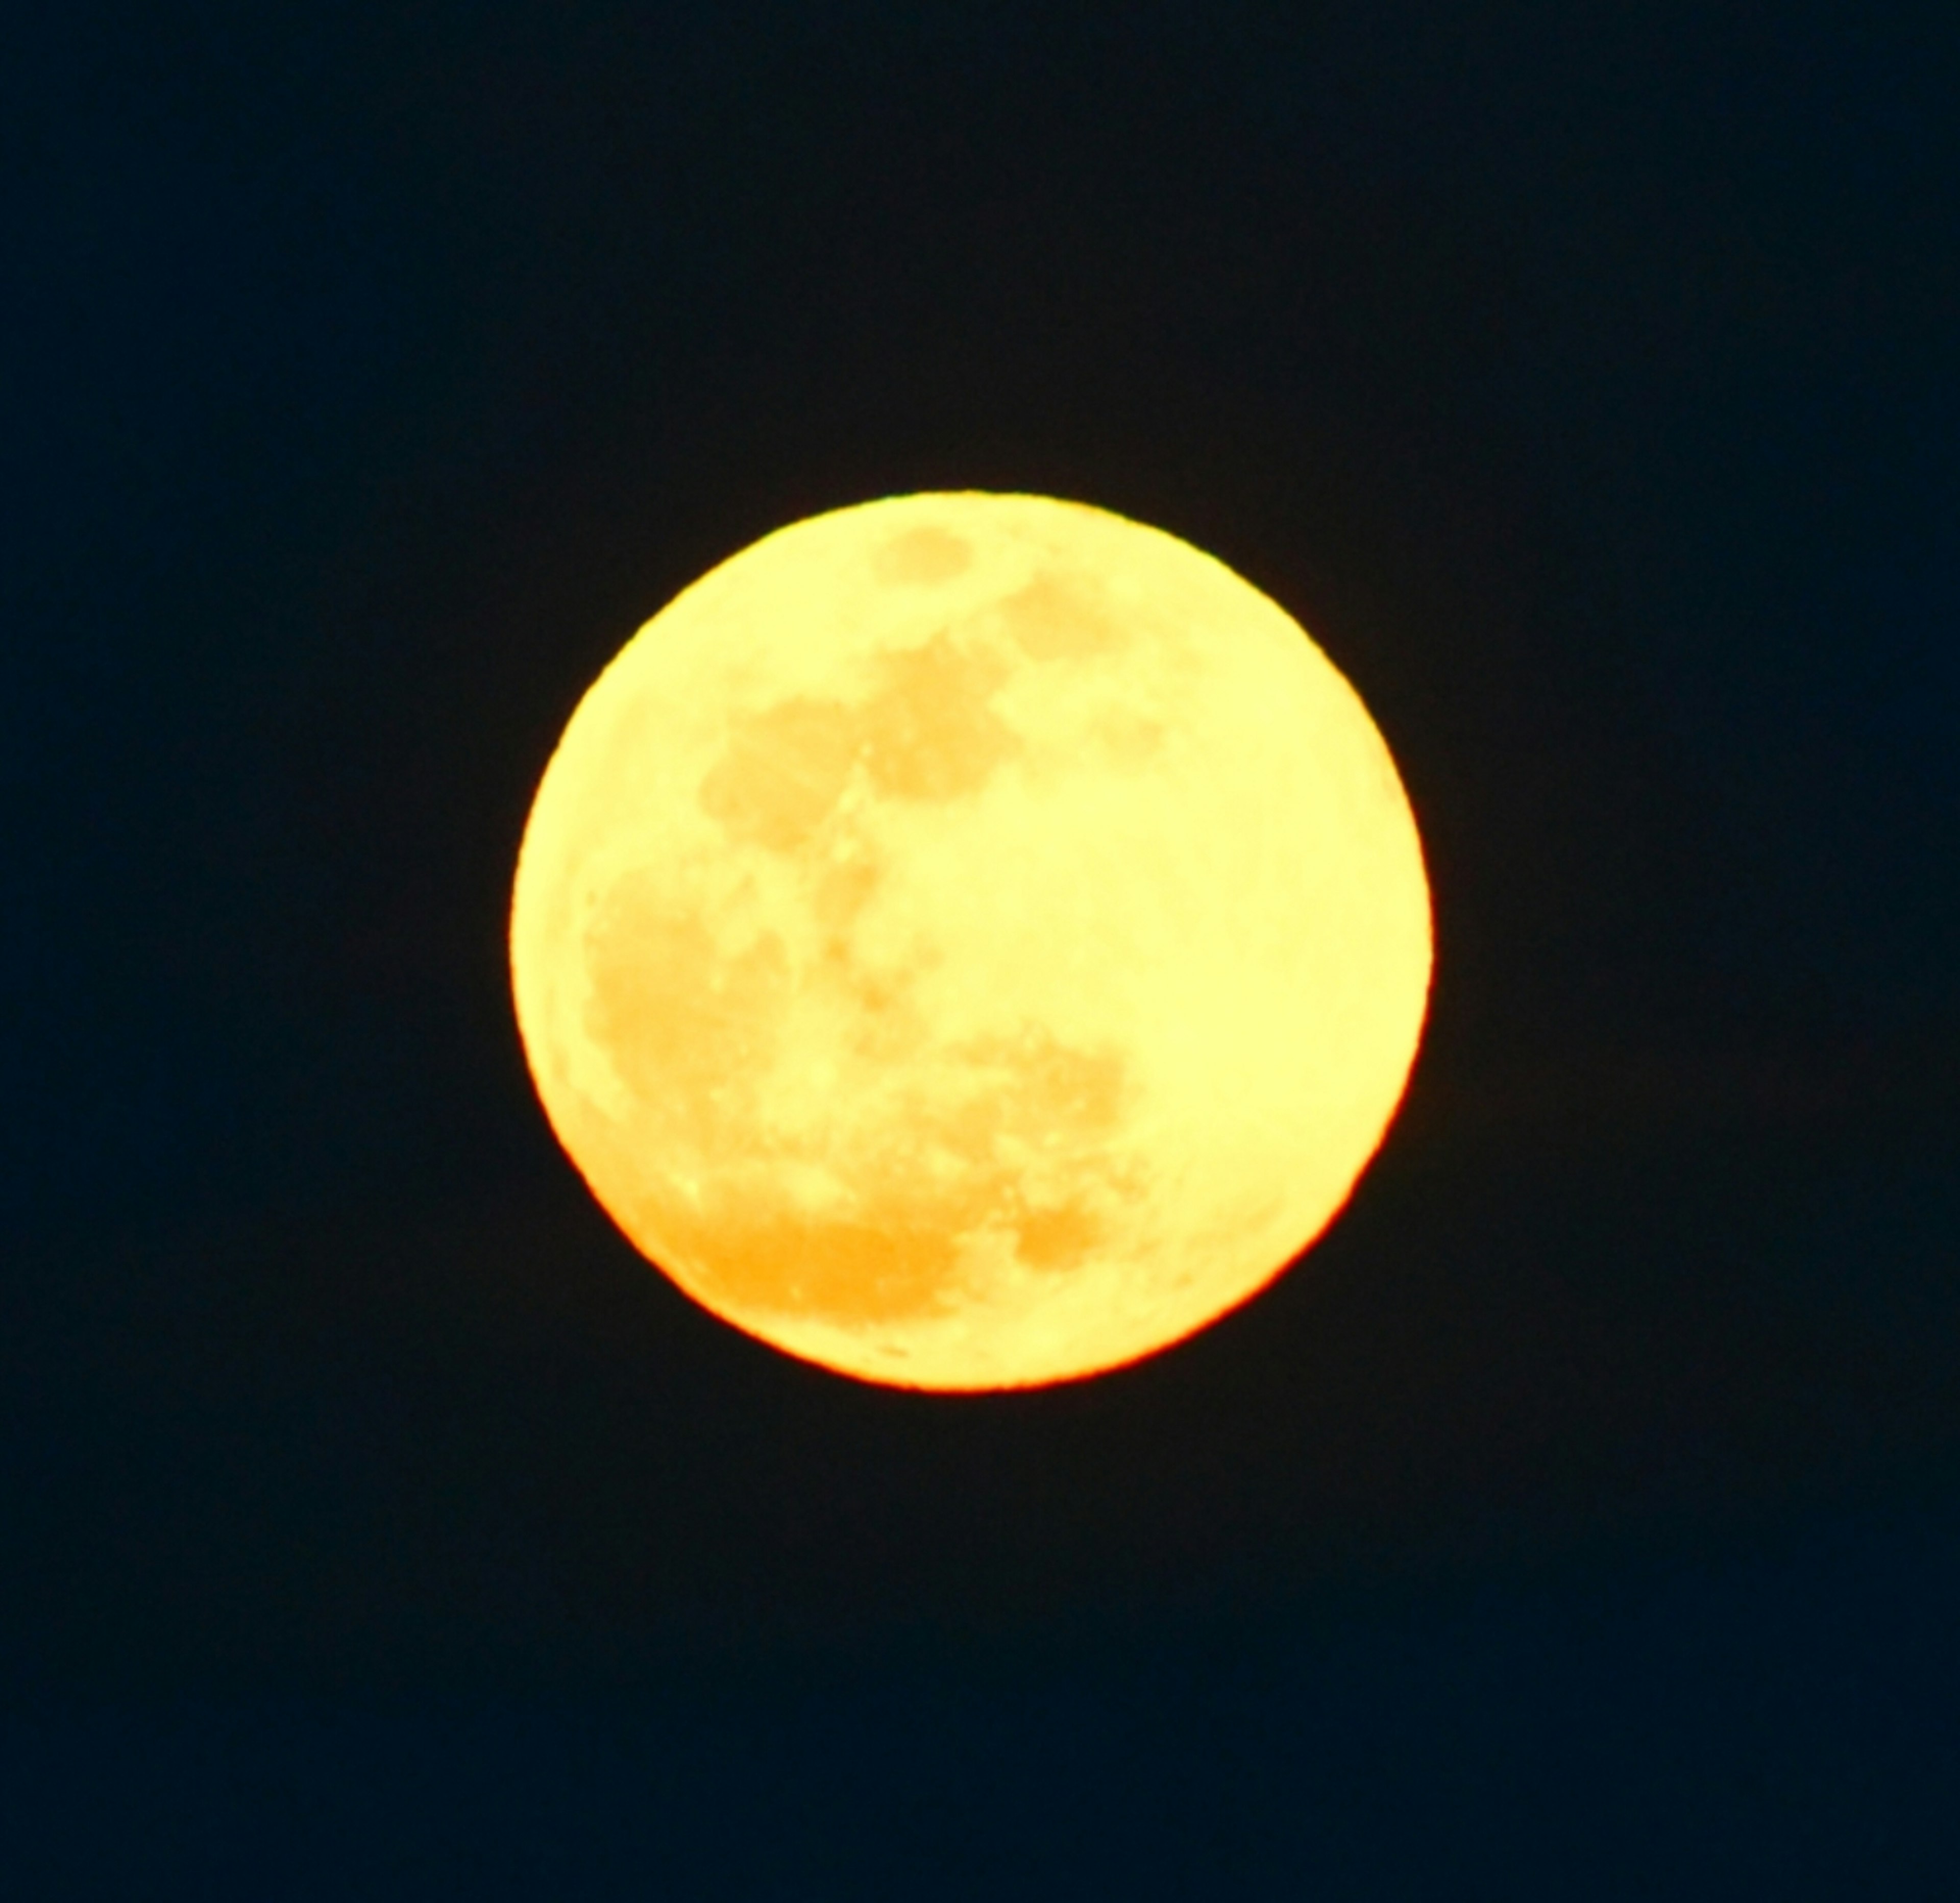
(1582, 1518)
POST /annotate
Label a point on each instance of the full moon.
(971, 940)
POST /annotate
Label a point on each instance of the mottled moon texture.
(971, 941)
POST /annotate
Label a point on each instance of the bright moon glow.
(971, 940)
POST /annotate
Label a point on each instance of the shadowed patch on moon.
(681, 1015)
(922, 556)
(927, 733)
(1049, 620)
(782, 773)
(939, 1175)
(1128, 741)
(1002, 1137)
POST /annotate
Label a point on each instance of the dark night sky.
(1582, 1519)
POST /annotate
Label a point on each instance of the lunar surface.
(971, 940)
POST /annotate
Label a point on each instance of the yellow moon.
(971, 940)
